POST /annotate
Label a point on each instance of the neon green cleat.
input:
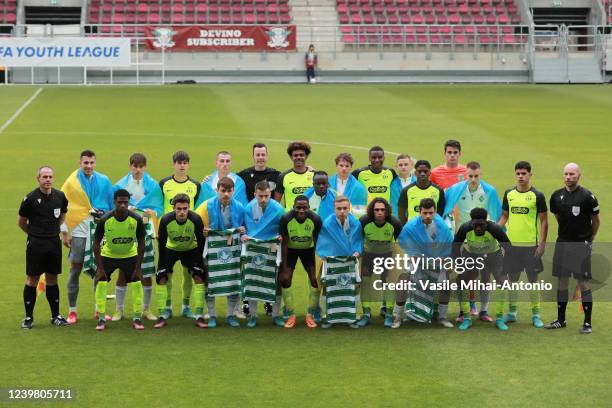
(117, 316)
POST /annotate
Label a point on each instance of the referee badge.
(56, 212)
(575, 210)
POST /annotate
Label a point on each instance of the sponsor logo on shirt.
(298, 190)
(377, 189)
(181, 239)
(123, 240)
(520, 210)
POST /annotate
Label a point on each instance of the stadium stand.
(429, 21)
(8, 11)
(128, 16)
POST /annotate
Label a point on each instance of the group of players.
(304, 214)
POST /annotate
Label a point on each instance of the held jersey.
(379, 239)
(523, 224)
(300, 235)
(292, 184)
(170, 188)
(376, 184)
(411, 196)
(121, 237)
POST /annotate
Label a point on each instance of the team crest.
(225, 255)
(259, 260)
(344, 280)
(576, 210)
(56, 212)
(278, 37)
(163, 38)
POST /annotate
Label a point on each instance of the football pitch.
(416, 365)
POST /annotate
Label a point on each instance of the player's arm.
(460, 238)
(284, 233)
(402, 205)
(162, 240)
(24, 213)
(198, 232)
(198, 191)
(140, 237)
(543, 220)
(441, 202)
(99, 235)
(318, 224)
(500, 235)
(280, 188)
(505, 209)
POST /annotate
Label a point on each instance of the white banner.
(65, 52)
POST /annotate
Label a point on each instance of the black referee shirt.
(43, 212)
(574, 211)
(252, 177)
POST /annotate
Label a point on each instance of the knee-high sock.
(562, 298)
(484, 296)
(365, 294)
(198, 293)
(587, 305)
(73, 287)
(499, 300)
(232, 301)
(288, 299)
(168, 302)
(101, 291)
(443, 310)
(210, 304)
(146, 296)
(462, 301)
(29, 300)
(187, 286)
(120, 292)
(253, 308)
(137, 299)
(276, 306)
(512, 296)
(161, 294)
(314, 295)
(535, 302)
(53, 297)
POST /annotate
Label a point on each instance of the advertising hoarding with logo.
(221, 38)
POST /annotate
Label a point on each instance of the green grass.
(415, 366)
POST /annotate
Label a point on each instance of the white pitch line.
(21, 109)
(169, 135)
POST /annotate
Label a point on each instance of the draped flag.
(354, 190)
(212, 216)
(222, 255)
(340, 278)
(396, 189)
(453, 195)
(209, 188)
(263, 225)
(153, 197)
(334, 241)
(326, 206)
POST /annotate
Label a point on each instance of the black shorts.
(191, 260)
(306, 256)
(43, 255)
(572, 259)
(125, 265)
(491, 265)
(522, 259)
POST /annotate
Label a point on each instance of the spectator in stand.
(311, 64)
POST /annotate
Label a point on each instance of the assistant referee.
(577, 212)
(41, 213)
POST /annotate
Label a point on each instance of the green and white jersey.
(376, 184)
(523, 226)
(470, 200)
(300, 235)
(340, 277)
(120, 237)
(292, 184)
(411, 196)
(379, 239)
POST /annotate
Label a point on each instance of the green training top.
(488, 243)
(180, 237)
(170, 188)
(523, 226)
(121, 237)
(411, 196)
(379, 239)
(292, 184)
(300, 235)
(376, 184)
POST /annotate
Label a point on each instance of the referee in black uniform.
(577, 212)
(41, 213)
